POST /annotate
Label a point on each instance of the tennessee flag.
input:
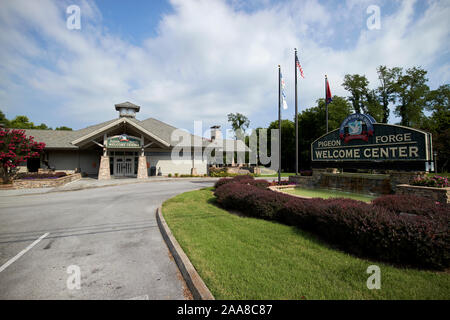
(328, 98)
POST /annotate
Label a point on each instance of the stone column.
(142, 168)
(104, 171)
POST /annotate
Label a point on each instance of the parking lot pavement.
(109, 234)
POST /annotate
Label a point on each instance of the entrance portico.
(123, 143)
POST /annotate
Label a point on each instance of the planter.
(436, 194)
(44, 183)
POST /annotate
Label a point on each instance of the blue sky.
(187, 60)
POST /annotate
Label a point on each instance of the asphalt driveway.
(109, 233)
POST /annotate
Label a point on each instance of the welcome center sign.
(361, 140)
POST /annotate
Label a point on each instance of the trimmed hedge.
(380, 230)
(412, 205)
(255, 201)
(245, 179)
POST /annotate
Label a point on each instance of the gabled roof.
(158, 130)
(54, 139)
(132, 123)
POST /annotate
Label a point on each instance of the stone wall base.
(44, 183)
(376, 184)
(436, 194)
(142, 172)
(104, 170)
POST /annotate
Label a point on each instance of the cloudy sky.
(186, 60)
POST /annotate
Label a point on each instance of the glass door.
(124, 166)
(128, 167)
(118, 166)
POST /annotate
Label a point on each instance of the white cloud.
(209, 58)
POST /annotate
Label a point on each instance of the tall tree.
(287, 143)
(63, 128)
(357, 85)
(311, 123)
(21, 122)
(412, 91)
(373, 106)
(238, 121)
(3, 121)
(388, 78)
(439, 125)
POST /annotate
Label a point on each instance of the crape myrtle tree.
(15, 148)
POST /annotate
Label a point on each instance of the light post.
(435, 162)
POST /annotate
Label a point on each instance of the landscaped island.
(326, 193)
(242, 257)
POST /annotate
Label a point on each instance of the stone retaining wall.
(436, 194)
(44, 183)
(374, 184)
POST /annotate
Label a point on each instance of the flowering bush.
(15, 148)
(389, 229)
(433, 181)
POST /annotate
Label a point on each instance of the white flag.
(283, 95)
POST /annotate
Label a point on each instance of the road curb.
(193, 280)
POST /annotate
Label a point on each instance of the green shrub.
(169, 175)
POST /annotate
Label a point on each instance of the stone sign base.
(436, 194)
(365, 183)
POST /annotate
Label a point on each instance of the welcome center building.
(127, 147)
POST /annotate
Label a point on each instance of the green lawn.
(325, 194)
(247, 258)
(283, 174)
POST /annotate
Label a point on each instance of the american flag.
(297, 63)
